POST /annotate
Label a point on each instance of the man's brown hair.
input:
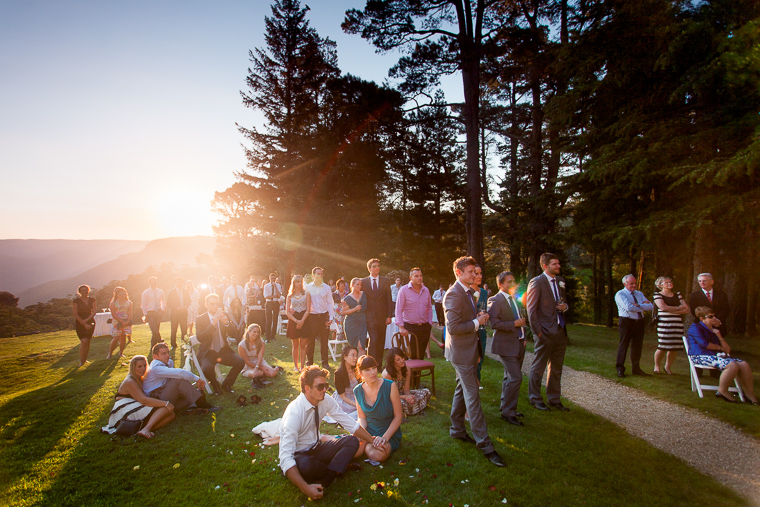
(461, 263)
(310, 374)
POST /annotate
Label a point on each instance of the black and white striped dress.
(669, 325)
(126, 408)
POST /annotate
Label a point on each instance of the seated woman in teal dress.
(378, 405)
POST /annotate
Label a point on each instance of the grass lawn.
(594, 348)
(52, 451)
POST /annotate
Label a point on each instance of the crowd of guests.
(371, 401)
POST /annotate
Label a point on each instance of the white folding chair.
(332, 345)
(282, 323)
(191, 359)
(696, 385)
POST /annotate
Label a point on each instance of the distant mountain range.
(38, 270)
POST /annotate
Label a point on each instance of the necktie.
(275, 292)
(709, 296)
(554, 289)
(181, 300)
(633, 295)
(155, 300)
(374, 285)
(316, 422)
(472, 302)
(218, 343)
(515, 313)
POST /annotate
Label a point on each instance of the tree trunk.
(471, 83)
(598, 282)
(611, 307)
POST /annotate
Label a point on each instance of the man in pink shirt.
(414, 312)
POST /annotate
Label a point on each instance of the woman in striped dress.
(670, 308)
(133, 405)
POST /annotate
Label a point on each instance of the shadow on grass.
(32, 424)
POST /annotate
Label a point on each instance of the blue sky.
(117, 119)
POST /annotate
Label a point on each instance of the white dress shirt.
(298, 432)
(321, 299)
(438, 296)
(466, 289)
(152, 300)
(160, 372)
(232, 292)
(269, 291)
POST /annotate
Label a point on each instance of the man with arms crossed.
(309, 462)
(379, 310)
(414, 313)
(175, 385)
(272, 295)
(631, 305)
(508, 343)
(546, 305)
(463, 350)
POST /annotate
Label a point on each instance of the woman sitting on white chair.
(708, 348)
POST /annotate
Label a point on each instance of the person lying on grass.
(708, 348)
(251, 351)
(310, 462)
(133, 405)
(378, 404)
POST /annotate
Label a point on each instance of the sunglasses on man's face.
(710, 316)
(320, 387)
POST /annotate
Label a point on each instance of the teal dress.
(482, 333)
(380, 415)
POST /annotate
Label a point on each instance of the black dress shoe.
(466, 438)
(559, 406)
(718, 395)
(518, 414)
(641, 373)
(621, 374)
(512, 420)
(540, 406)
(494, 458)
(227, 388)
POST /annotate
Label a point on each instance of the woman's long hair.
(364, 363)
(132, 365)
(115, 291)
(248, 332)
(342, 371)
(390, 362)
(292, 283)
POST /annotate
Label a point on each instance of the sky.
(117, 119)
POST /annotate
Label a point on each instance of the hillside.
(26, 263)
(179, 251)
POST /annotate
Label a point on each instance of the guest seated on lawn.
(705, 345)
(413, 401)
(379, 407)
(167, 383)
(251, 350)
(308, 460)
(133, 405)
(345, 380)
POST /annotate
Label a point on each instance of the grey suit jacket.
(541, 305)
(502, 318)
(462, 341)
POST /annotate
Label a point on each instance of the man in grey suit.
(508, 343)
(545, 300)
(463, 351)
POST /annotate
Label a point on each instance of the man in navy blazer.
(463, 351)
(379, 311)
(508, 343)
(545, 301)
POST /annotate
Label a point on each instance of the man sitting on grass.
(309, 461)
(175, 385)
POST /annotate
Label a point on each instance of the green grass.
(594, 348)
(52, 452)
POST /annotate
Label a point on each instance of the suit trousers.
(439, 314)
(420, 342)
(225, 357)
(179, 392)
(318, 331)
(333, 455)
(631, 333)
(510, 386)
(154, 323)
(467, 399)
(376, 345)
(549, 349)
(272, 311)
(179, 319)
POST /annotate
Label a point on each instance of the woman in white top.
(297, 309)
(251, 350)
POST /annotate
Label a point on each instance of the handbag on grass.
(126, 428)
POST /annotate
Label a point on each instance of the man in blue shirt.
(631, 305)
(175, 385)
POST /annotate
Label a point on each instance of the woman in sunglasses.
(708, 348)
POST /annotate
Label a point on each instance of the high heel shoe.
(719, 395)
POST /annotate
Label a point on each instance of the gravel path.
(667, 426)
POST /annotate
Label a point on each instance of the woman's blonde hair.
(660, 280)
(133, 364)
